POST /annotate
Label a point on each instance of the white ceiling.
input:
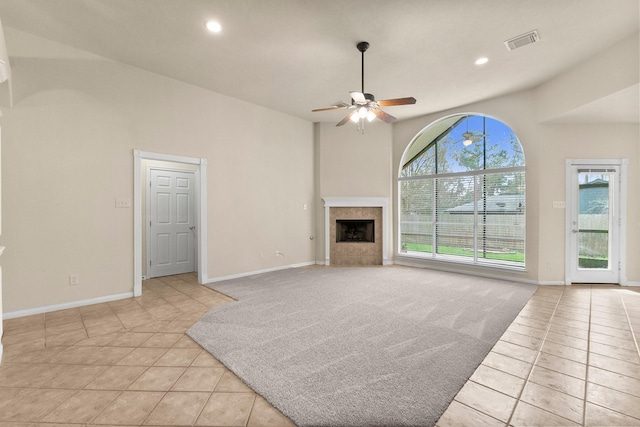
(296, 55)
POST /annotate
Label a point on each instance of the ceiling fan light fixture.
(362, 112)
(371, 115)
(355, 118)
(467, 142)
(481, 61)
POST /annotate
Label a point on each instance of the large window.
(462, 193)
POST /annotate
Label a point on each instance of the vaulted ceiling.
(296, 55)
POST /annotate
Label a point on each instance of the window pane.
(502, 146)
(454, 231)
(423, 164)
(416, 211)
(453, 156)
(479, 218)
(593, 220)
(501, 221)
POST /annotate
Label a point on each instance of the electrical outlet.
(74, 279)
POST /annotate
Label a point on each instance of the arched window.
(462, 193)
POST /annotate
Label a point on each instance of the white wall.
(68, 154)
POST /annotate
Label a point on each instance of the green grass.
(449, 250)
(593, 262)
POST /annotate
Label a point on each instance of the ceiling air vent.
(522, 40)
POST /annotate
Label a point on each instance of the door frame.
(201, 212)
(147, 225)
(622, 215)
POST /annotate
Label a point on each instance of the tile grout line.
(586, 374)
(539, 352)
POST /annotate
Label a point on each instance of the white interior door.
(171, 216)
(594, 224)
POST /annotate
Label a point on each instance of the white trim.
(622, 163)
(630, 284)
(201, 200)
(253, 273)
(400, 260)
(358, 202)
(66, 305)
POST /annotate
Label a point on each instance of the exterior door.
(171, 231)
(594, 222)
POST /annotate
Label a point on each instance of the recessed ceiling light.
(482, 61)
(213, 26)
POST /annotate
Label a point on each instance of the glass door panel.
(594, 220)
(594, 224)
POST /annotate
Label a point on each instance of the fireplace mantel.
(356, 202)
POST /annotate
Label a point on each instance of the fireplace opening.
(355, 230)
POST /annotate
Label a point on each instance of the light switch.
(123, 203)
(559, 204)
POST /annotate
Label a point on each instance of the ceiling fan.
(364, 105)
(469, 138)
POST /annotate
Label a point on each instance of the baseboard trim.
(1, 350)
(384, 262)
(253, 273)
(66, 305)
(409, 263)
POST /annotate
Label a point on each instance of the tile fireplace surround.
(352, 253)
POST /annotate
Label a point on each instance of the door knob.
(574, 231)
(192, 227)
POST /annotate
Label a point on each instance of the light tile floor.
(127, 362)
(570, 358)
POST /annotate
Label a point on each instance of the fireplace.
(355, 230)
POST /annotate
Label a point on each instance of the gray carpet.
(377, 346)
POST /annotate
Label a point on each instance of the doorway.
(199, 170)
(595, 212)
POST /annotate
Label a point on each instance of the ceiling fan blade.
(347, 118)
(388, 118)
(358, 97)
(335, 107)
(397, 101)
